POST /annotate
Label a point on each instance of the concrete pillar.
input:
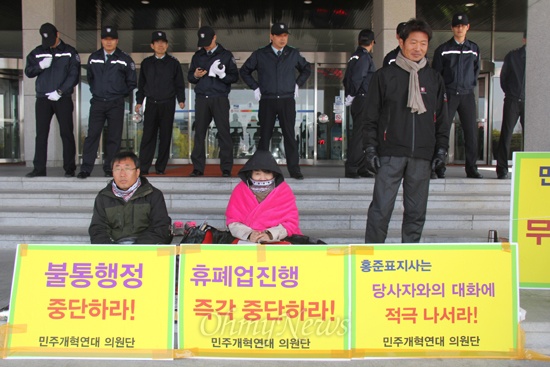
(537, 108)
(62, 14)
(385, 17)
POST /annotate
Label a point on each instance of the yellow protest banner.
(263, 301)
(71, 301)
(530, 217)
(435, 301)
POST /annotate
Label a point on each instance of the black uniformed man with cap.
(390, 56)
(161, 81)
(276, 89)
(512, 82)
(212, 70)
(458, 60)
(359, 72)
(112, 77)
(56, 67)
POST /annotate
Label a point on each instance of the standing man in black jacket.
(213, 69)
(56, 67)
(276, 90)
(512, 82)
(406, 121)
(161, 81)
(112, 77)
(359, 72)
(458, 61)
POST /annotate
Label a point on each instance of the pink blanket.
(279, 207)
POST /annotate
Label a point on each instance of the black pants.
(513, 109)
(158, 119)
(415, 175)
(356, 159)
(285, 110)
(218, 109)
(63, 110)
(465, 105)
(101, 111)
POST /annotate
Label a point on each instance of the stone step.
(305, 200)
(310, 219)
(11, 236)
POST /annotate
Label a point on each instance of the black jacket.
(459, 65)
(391, 56)
(160, 79)
(392, 128)
(213, 86)
(359, 72)
(512, 75)
(144, 216)
(112, 80)
(276, 74)
(63, 74)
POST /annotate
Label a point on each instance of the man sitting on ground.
(129, 209)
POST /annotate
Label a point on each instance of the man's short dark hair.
(365, 37)
(416, 25)
(120, 156)
(400, 27)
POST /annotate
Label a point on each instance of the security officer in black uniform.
(161, 81)
(390, 56)
(57, 68)
(213, 69)
(276, 90)
(512, 82)
(458, 60)
(112, 77)
(358, 74)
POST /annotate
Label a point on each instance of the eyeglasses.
(127, 170)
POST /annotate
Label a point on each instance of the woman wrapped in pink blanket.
(262, 207)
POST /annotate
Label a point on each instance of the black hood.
(262, 159)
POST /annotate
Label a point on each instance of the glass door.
(10, 124)
(332, 121)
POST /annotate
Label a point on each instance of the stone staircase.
(58, 210)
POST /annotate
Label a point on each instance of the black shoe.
(159, 172)
(69, 173)
(196, 173)
(108, 173)
(83, 174)
(502, 176)
(351, 175)
(440, 174)
(297, 175)
(474, 174)
(433, 176)
(35, 173)
(226, 173)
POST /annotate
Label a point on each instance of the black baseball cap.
(279, 28)
(400, 27)
(365, 37)
(158, 36)
(460, 18)
(49, 34)
(206, 35)
(109, 31)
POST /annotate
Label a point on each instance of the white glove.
(296, 91)
(46, 62)
(215, 70)
(53, 96)
(349, 100)
(257, 94)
